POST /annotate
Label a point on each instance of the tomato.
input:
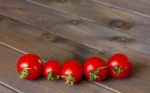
(52, 70)
(95, 69)
(119, 66)
(71, 72)
(29, 66)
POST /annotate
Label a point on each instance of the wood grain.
(140, 7)
(95, 12)
(53, 44)
(134, 41)
(14, 32)
(9, 75)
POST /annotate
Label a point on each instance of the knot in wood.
(62, 1)
(75, 22)
(49, 37)
(121, 39)
(120, 24)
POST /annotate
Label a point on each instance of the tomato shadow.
(136, 69)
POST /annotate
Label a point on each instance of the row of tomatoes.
(31, 67)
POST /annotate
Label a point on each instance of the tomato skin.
(123, 65)
(94, 63)
(54, 67)
(32, 63)
(74, 68)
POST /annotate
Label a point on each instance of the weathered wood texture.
(95, 12)
(26, 37)
(140, 7)
(88, 23)
(15, 33)
(114, 37)
(9, 75)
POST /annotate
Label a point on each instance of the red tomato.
(52, 70)
(29, 66)
(120, 66)
(71, 72)
(96, 69)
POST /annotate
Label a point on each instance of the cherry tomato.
(52, 70)
(71, 72)
(95, 69)
(29, 66)
(120, 66)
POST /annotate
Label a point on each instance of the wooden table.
(65, 29)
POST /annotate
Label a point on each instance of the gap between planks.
(139, 6)
(87, 19)
(120, 8)
(23, 52)
(10, 87)
(100, 2)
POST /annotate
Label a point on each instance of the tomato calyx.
(117, 69)
(94, 74)
(24, 73)
(52, 76)
(69, 79)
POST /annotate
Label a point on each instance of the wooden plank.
(14, 32)
(8, 61)
(140, 7)
(101, 14)
(43, 39)
(132, 24)
(95, 12)
(4, 89)
(131, 42)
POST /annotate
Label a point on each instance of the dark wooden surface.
(14, 32)
(132, 42)
(64, 29)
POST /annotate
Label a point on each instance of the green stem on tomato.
(24, 73)
(94, 74)
(70, 79)
(52, 76)
(117, 69)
